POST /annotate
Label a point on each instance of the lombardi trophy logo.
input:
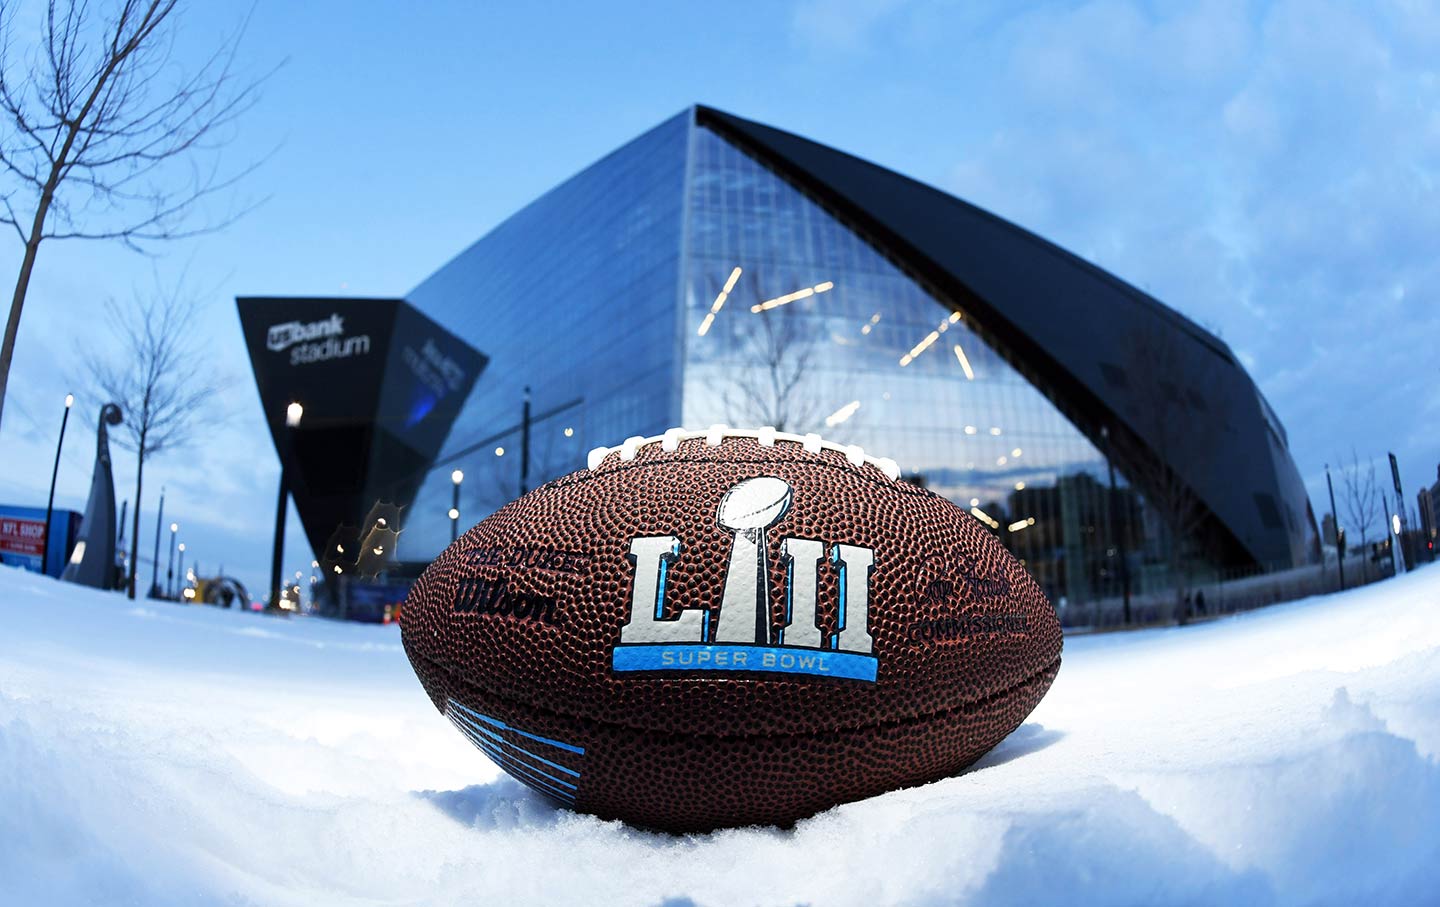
(745, 638)
(748, 510)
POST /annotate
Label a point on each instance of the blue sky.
(1269, 169)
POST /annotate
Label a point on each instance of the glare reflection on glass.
(842, 414)
(964, 363)
(719, 302)
(788, 298)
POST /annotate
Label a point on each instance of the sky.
(1272, 170)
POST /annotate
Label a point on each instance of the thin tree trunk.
(22, 286)
(42, 210)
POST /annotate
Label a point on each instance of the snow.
(158, 754)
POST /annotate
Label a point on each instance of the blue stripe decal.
(493, 722)
(660, 589)
(514, 766)
(504, 742)
(487, 732)
(720, 658)
(519, 774)
(519, 770)
(789, 598)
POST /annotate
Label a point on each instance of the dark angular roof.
(1078, 333)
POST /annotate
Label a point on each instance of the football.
(723, 627)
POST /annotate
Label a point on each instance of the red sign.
(19, 536)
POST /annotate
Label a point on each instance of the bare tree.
(768, 384)
(159, 380)
(98, 120)
(1360, 490)
(1160, 414)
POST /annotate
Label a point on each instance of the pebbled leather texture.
(519, 620)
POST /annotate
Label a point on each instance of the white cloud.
(1268, 169)
(845, 25)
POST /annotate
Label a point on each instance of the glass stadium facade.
(709, 272)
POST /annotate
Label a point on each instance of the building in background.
(378, 385)
(1429, 502)
(715, 270)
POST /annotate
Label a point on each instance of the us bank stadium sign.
(315, 341)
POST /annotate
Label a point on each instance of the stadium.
(716, 270)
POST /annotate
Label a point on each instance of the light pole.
(456, 478)
(525, 444)
(170, 567)
(54, 473)
(1335, 522)
(122, 557)
(155, 561)
(182, 568)
(293, 412)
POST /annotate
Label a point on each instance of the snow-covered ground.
(157, 754)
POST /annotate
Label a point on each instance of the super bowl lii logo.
(744, 638)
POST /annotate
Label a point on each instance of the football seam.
(589, 474)
(966, 705)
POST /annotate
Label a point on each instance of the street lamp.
(155, 560)
(525, 444)
(456, 478)
(293, 413)
(182, 567)
(1339, 533)
(170, 568)
(50, 507)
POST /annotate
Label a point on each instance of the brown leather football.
(722, 628)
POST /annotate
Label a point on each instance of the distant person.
(1200, 601)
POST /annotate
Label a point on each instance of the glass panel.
(820, 332)
(574, 297)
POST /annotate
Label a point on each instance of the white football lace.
(766, 437)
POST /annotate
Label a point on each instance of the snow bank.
(167, 755)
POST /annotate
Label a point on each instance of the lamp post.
(456, 478)
(1335, 521)
(182, 569)
(155, 561)
(54, 473)
(170, 567)
(293, 412)
(122, 557)
(525, 444)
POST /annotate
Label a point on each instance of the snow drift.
(158, 754)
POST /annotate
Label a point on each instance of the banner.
(22, 538)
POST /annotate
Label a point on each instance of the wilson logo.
(744, 638)
(478, 596)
